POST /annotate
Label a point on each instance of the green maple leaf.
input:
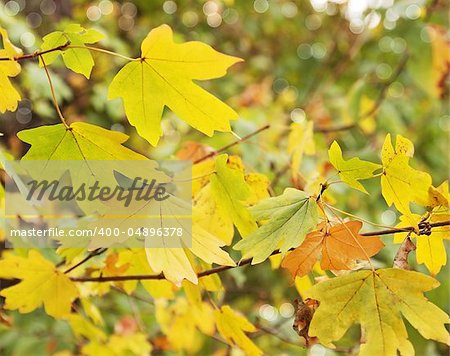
(77, 59)
(164, 76)
(84, 143)
(290, 217)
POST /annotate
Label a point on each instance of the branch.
(224, 148)
(326, 129)
(382, 94)
(247, 261)
(36, 54)
(91, 254)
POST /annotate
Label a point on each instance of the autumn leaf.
(353, 170)
(339, 246)
(136, 260)
(438, 197)
(82, 327)
(41, 283)
(300, 142)
(182, 320)
(290, 217)
(430, 249)
(232, 327)
(163, 76)
(440, 47)
(220, 204)
(175, 264)
(81, 141)
(10, 97)
(401, 184)
(377, 300)
(77, 59)
(118, 345)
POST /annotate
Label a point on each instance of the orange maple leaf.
(339, 246)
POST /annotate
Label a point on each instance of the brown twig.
(91, 254)
(326, 129)
(36, 54)
(247, 261)
(234, 143)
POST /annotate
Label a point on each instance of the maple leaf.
(438, 197)
(290, 217)
(339, 246)
(401, 184)
(137, 262)
(77, 59)
(81, 141)
(430, 250)
(41, 283)
(163, 76)
(353, 170)
(220, 204)
(10, 97)
(377, 300)
(440, 46)
(82, 327)
(180, 320)
(118, 345)
(232, 327)
(300, 142)
(175, 264)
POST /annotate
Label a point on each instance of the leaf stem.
(356, 217)
(52, 90)
(101, 50)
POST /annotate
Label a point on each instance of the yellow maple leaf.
(118, 345)
(41, 283)
(10, 68)
(353, 170)
(232, 328)
(220, 204)
(438, 196)
(377, 300)
(300, 142)
(440, 47)
(137, 262)
(182, 321)
(401, 184)
(163, 76)
(430, 250)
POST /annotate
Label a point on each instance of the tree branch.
(91, 254)
(247, 261)
(382, 94)
(36, 54)
(224, 148)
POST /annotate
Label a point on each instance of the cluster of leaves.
(301, 225)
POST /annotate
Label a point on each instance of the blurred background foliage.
(355, 70)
